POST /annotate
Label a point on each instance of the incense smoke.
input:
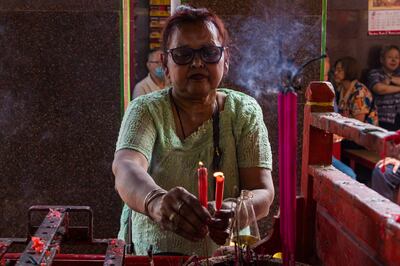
(266, 49)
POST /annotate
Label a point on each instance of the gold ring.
(171, 217)
(180, 205)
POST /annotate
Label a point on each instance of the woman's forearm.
(383, 89)
(259, 182)
(132, 182)
(262, 201)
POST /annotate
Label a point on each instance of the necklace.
(215, 111)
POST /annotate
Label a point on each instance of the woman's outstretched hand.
(181, 212)
(219, 225)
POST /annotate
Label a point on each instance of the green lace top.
(149, 128)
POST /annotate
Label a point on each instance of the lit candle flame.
(219, 175)
(219, 189)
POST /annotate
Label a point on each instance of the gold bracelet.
(155, 193)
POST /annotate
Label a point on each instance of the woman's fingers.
(396, 165)
(389, 160)
(174, 223)
(193, 206)
(226, 205)
(219, 226)
(181, 227)
(219, 236)
(225, 214)
(199, 225)
(183, 214)
(221, 220)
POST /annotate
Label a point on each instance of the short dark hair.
(387, 48)
(187, 14)
(350, 66)
(151, 52)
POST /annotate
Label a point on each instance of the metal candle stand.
(44, 241)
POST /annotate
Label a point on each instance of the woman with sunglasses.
(165, 134)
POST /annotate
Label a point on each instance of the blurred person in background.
(354, 99)
(328, 76)
(384, 82)
(155, 80)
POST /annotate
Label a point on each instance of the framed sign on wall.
(383, 17)
(159, 12)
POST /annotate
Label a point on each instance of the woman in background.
(355, 100)
(328, 76)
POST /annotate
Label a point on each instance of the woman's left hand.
(219, 226)
(387, 161)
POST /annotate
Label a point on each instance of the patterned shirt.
(388, 105)
(358, 100)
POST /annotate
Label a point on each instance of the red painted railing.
(343, 222)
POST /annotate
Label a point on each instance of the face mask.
(159, 72)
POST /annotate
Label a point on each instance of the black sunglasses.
(184, 55)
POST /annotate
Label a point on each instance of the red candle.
(219, 189)
(202, 184)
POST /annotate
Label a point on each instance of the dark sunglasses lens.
(211, 54)
(182, 56)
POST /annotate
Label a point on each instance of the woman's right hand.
(387, 161)
(220, 223)
(181, 212)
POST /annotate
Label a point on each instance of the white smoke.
(266, 49)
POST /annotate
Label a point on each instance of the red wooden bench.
(365, 158)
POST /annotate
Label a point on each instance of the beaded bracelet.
(155, 193)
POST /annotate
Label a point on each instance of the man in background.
(155, 80)
(385, 83)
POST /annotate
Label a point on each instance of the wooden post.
(317, 149)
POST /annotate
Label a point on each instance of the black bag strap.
(217, 150)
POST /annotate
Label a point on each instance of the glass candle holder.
(245, 228)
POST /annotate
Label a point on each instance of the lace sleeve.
(253, 147)
(137, 130)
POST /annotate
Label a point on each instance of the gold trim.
(320, 103)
